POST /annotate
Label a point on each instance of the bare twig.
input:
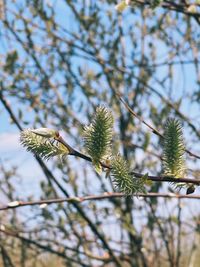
(154, 130)
(17, 204)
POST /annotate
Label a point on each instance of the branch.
(153, 130)
(107, 195)
(138, 175)
(168, 179)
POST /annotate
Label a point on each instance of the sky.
(13, 154)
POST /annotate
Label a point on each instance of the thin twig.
(154, 130)
(107, 195)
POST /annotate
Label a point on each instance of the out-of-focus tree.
(59, 60)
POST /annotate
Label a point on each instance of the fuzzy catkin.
(173, 149)
(123, 180)
(41, 146)
(98, 136)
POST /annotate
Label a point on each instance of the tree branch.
(107, 195)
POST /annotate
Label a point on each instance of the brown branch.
(138, 175)
(107, 195)
(168, 179)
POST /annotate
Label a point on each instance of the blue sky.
(13, 154)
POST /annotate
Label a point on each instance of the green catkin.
(41, 146)
(98, 136)
(173, 149)
(123, 180)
